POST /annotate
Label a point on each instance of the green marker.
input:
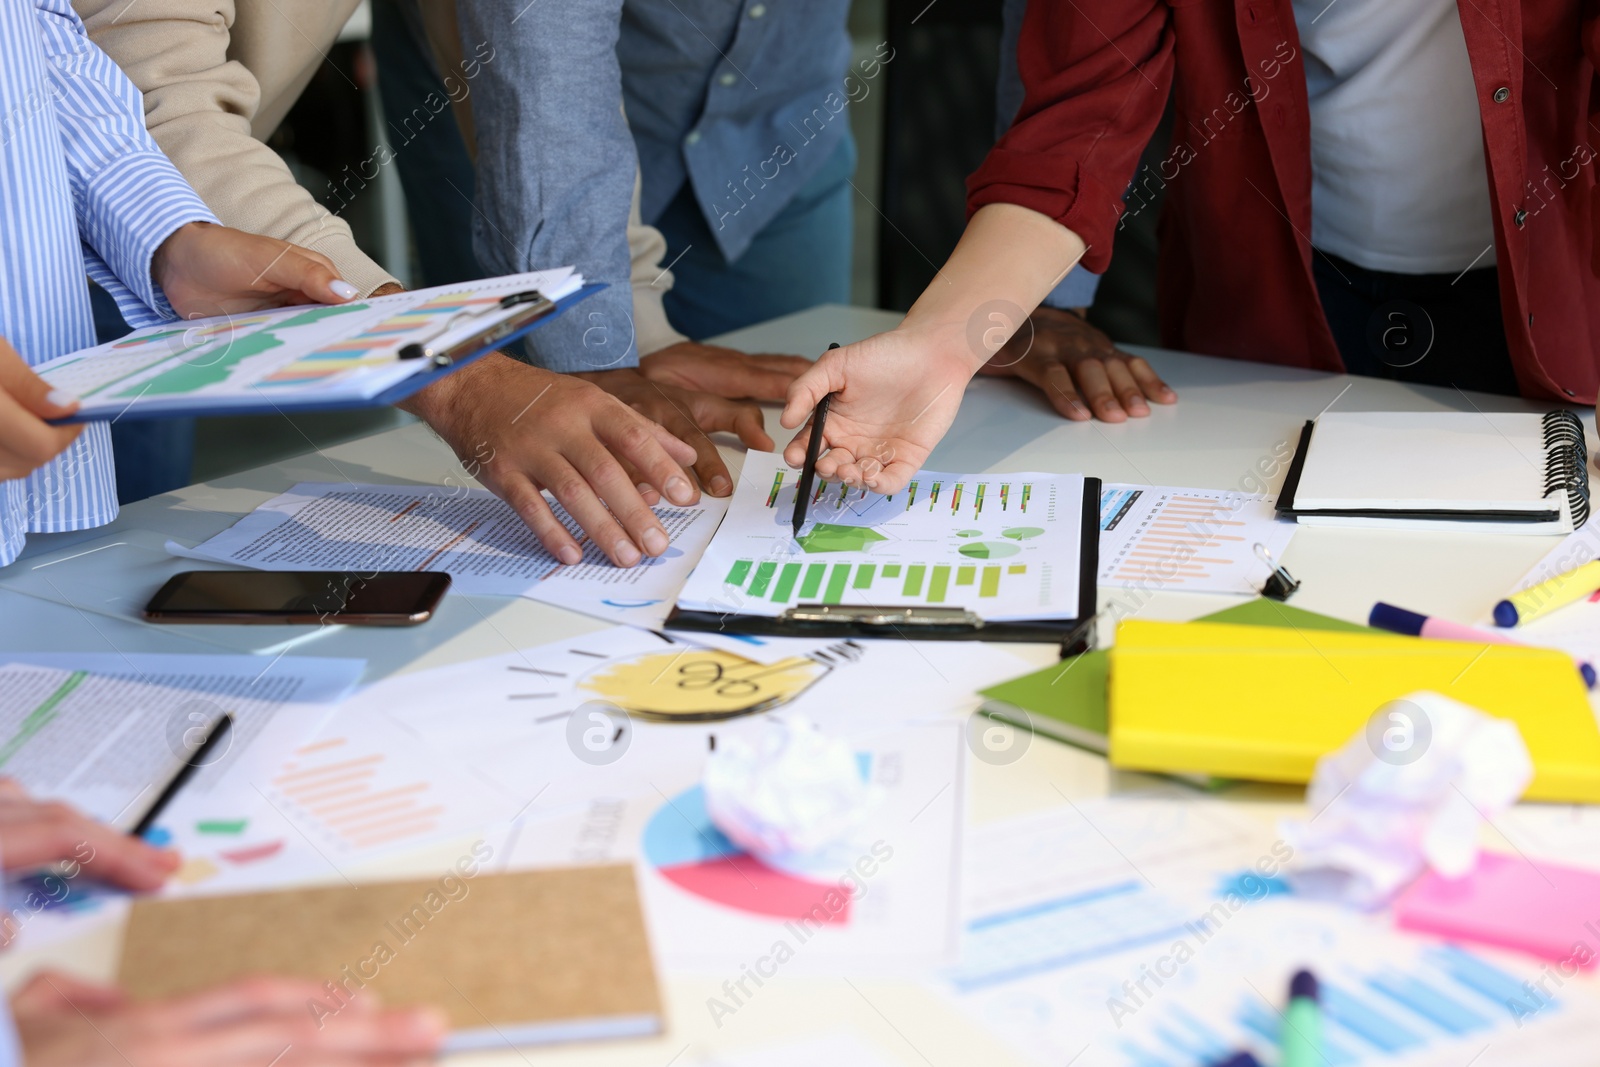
(1302, 1024)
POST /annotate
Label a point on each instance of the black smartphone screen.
(384, 598)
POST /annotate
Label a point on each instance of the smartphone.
(381, 598)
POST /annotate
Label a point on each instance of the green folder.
(1067, 701)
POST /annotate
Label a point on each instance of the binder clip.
(1280, 584)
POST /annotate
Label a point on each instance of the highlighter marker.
(1558, 592)
(1400, 621)
(1302, 1023)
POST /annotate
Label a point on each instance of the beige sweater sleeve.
(651, 280)
(199, 105)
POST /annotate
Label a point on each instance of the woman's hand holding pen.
(898, 392)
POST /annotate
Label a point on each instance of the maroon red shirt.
(1235, 272)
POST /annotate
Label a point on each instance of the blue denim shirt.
(744, 99)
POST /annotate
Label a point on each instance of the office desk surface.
(1234, 427)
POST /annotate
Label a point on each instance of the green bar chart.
(867, 583)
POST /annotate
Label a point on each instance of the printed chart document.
(471, 534)
(335, 352)
(1127, 932)
(882, 900)
(1190, 540)
(107, 732)
(1005, 546)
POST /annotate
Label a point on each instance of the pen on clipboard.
(214, 737)
(808, 471)
(443, 355)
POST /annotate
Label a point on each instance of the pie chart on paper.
(687, 849)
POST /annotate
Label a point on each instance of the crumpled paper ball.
(1409, 792)
(794, 792)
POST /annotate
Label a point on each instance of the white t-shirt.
(1398, 176)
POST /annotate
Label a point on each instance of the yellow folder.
(1260, 703)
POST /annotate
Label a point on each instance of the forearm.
(1008, 259)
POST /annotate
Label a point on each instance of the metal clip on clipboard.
(537, 306)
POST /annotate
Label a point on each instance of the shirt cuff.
(1076, 290)
(130, 208)
(593, 335)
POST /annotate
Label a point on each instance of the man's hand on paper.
(519, 429)
(36, 833)
(213, 270)
(27, 442)
(689, 415)
(724, 372)
(898, 393)
(63, 1021)
(1079, 369)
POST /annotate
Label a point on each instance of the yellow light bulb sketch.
(700, 684)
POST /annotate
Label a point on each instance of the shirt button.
(758, 10)
(728, 78)
(1520, 217)
(1502, 94)
(693, 138)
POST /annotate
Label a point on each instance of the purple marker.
(1400, 621)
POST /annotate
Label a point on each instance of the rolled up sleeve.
(1096, 75)
(555, 167)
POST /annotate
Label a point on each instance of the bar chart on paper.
(823, 583)
(367, 784)
(1005, 546)
(1201, 540)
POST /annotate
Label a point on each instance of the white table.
(1235, 422)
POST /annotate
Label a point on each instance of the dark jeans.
(1431, 329)
(435, 170)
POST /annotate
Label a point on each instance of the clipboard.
(538, 312)
(923, 623)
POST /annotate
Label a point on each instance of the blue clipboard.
(178, 407)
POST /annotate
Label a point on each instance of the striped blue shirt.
(83, 190)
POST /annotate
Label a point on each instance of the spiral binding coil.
(1566, 462)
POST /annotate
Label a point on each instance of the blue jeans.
(801, 259)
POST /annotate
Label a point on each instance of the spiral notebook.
(1496, 472)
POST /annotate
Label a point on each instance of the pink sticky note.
(1544, 909)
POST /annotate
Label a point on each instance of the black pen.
(219, 730)
(808, 472)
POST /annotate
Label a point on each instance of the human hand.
(1079, 369)
(724, 372)
(691, 416)
(36, 832)
(63, 1021)
(519, 429)
(898, 393)
(27, 442)
(213, 270)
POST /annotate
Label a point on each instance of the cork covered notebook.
(524, 958)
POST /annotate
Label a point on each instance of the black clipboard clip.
(535, 305)
(1280, 584)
